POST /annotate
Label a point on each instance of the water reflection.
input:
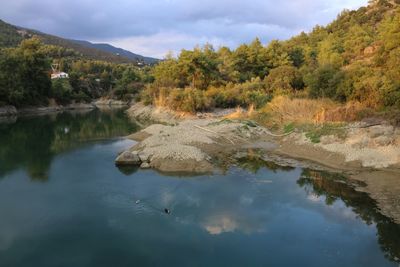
(252, 161)
(128, 170)
(334, 187)
(32, 143)
(255, 214)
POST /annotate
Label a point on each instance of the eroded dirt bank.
(203, 142)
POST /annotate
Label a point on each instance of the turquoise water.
(64, 203)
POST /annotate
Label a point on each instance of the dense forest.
(11, 36)
(25, 76)
(354, 58)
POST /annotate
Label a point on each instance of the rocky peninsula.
(202, 143)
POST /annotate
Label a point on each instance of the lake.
(63, 202)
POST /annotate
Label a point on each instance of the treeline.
(25, 76)
(355, 58)
(11, 36)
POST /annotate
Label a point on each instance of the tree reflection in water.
(335, 186)
(31, 143)
(253, 162)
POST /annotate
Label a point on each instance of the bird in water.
(167, 211)
(137, 201)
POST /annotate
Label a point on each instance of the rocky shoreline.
(189, 146)
(363, 147)
(11, 111)
(202, 143)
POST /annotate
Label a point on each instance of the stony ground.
(194, 143)
(375, 147)
(188, 145)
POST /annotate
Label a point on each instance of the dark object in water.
(167, 211)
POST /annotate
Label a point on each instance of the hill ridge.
(11, 35)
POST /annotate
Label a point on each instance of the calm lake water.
(64, 203)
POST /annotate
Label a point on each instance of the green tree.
(129, 84)
(324, 81)
(284, 79)
(226, 66)
(166, 73)
(199, 66)
(25, 74)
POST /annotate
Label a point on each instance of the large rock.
(384, 140)
(128, 158)
(145, 156)
(380, 130)
(145, 165)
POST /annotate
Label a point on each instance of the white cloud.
(158, 45)
(154, 27)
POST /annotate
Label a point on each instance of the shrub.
(188, 100)
(257, 99)
(251, 93)
(61, 91)
(244, 94)
(222, 97)
(283, 80)
(390, 93)
(324, 82)
(80, 97)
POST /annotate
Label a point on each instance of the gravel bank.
(195, 143)
(373, 147)
(191, 145)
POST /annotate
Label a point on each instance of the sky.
(156, 27)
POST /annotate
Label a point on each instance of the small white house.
(59, 75)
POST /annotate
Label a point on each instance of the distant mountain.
(11, 36)
(117, 51)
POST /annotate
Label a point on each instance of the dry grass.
(241, 113)
(162, 106)
(351, 111)
(160, 100)
(283, 109)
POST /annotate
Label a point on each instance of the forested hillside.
(11, 36)
(354, 58)
(25, 76)
(118, 51)
(26, 57)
